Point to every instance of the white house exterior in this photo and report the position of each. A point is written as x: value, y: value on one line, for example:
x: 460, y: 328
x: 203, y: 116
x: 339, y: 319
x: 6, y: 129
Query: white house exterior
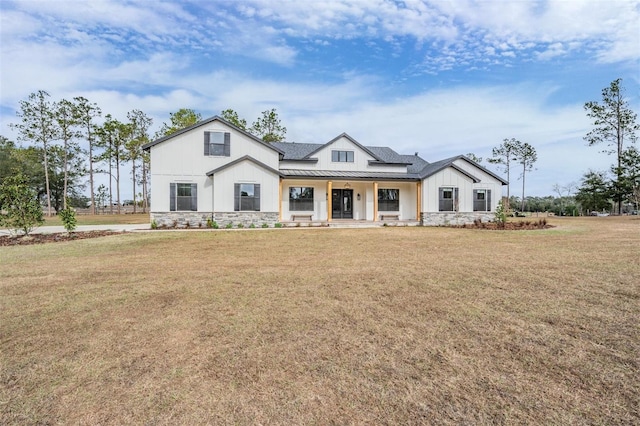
x: 213, y: 170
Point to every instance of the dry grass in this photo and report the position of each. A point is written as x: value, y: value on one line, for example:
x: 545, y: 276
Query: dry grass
x: 102, y: 219
x: 325, y: 326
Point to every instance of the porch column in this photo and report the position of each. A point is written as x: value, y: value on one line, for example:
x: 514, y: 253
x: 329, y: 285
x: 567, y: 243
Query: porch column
x: 280, y: 201
x: 375, y: 201
x: 418, y: 199
x: 329, y: 200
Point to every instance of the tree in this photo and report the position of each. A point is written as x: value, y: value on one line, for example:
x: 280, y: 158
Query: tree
x: 630, y: 175
x: 21, y: 210
x: 268, y: 127
x: 564, y: 194
x: 614, y: 123
x: 182, y: 118
x: 504, y: 155
x: 7, y: 150
x: 593, y: 193
x: 140, y: 124
x: 113, y: 136
x: 38, y: 126
x: 66, y: 117
x: 527, y: 156
x: 471, y: 156
x: 87, y: 112
x: 232, y: 117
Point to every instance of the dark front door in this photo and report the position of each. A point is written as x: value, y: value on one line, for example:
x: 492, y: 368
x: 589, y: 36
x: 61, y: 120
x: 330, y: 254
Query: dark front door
x: 342, y: 204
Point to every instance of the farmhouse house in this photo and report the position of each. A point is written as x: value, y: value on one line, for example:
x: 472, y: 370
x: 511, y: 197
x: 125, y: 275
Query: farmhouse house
x: 214, y: 170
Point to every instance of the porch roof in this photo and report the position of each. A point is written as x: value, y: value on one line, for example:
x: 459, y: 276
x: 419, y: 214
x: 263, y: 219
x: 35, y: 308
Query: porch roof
x: 351, y: 175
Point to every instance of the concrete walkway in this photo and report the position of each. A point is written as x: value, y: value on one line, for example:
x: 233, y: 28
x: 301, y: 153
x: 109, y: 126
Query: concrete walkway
x: 80, y: 228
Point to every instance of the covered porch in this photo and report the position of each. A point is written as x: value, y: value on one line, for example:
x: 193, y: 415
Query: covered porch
x: 349, y: 202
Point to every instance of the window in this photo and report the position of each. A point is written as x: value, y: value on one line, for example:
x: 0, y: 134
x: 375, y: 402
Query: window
x: 183, y: 197
x: 448, y: 199
x: 481, y: 200
x: 300, y: 199
x: 342, y: 156
x: 247, y: 197
x: 389, y: 200
x: 217, y: 144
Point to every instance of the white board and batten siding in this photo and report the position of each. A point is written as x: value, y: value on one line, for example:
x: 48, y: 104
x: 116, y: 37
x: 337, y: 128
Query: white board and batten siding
x: 448, y: 177
x: 182, y: 160
x: 245, y: 172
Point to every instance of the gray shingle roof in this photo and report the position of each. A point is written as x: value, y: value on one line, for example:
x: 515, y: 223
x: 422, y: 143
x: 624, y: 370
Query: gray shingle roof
x: 296, y: 151
x: 341, y: 174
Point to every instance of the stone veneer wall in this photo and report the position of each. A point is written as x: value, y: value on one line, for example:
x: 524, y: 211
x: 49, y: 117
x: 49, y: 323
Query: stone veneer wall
x: 199, y: 219
x: 454, y: 218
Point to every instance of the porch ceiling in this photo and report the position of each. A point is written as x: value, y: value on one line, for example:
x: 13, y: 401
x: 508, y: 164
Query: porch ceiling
x: 339, y: 174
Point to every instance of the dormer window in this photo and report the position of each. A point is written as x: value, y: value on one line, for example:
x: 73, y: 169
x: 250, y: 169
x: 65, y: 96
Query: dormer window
x: 217, y: 144
x: 342, y: 156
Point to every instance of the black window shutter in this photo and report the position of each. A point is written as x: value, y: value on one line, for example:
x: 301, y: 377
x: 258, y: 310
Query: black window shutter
x: 172, y: 197
x: 206, y: 143
x: 488, y: 200
x: 456, y: 207
x: 227, y: 144
x: 236, y: 197
x: 194, y: 197
x: 256, y: 197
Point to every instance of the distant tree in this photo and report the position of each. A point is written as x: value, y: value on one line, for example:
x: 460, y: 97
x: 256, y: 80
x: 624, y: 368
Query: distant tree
x: 38, y: 126
x: 504, y: 155
x: 564, y: 192
x: 630, y: 175
x: 232, y: 117
x: 7, y: 163
x: 180, y: 119
x: 101, y: 196
x: 614, y: 124
x: 268, y: 127
x: 593, y: 193
x: 113, y: 137
x: 140, y: 124
x: 86, y: 113
x: 527, y: 156
x: 21, y: 210
x: 67, y: 119
x: 471, y: 156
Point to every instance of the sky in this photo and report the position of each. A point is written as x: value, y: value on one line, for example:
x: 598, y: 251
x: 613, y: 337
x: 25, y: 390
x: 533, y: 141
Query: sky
x: 440, y: 78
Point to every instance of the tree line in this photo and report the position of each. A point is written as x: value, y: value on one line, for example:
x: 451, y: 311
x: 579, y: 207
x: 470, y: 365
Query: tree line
x: 69, y: 142
x: 614, y: 126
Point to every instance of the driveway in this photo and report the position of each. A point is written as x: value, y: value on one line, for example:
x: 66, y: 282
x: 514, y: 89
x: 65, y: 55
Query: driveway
x: 79, y: 228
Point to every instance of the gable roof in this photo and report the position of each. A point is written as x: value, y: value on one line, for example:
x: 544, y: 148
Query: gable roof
x: 241, y: 159
x: 350, y: 139
x: 433, y: 168
x: 151, y: 144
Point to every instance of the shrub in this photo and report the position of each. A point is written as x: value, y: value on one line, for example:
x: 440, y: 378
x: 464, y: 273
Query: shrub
x: 68, y: 217
x: 252, y: 226
x: 229, y: 225
x: 265, y: 225
x: 240, y: 225
x: 277, y: 225
x: 20, y: 210
x: 154, y: 224
x: 501, y: 215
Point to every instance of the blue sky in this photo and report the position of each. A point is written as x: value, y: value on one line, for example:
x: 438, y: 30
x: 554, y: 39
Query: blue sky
x: 440, y: 78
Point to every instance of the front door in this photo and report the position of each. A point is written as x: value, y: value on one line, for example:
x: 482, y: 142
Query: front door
x: 342, y: 204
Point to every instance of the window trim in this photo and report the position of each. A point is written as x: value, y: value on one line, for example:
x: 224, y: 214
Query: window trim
x: 388, y: 202
x: 455, y: 200
x: 238, y: 198
x: 337, y: 156
x: 173, y: 197
x: 301, y: 204
x: 486, y: 201
x: 225, y: 145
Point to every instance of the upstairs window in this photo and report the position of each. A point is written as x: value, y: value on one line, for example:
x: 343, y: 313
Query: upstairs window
x: 342, y: 156
x: 217, y: 144
x: 481, y: 200
x: 183, y: 197
x: 389, y: 200
x: 448, y: 199
x: 300, y: 198
x: 246, y: 197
